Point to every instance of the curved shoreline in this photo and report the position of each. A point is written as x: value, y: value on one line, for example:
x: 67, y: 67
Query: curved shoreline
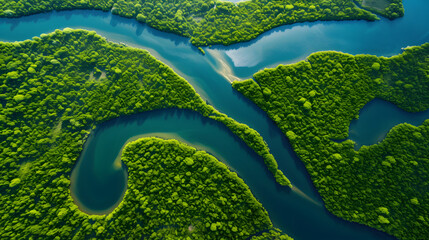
x: 178, y: 68
x: 194, y: 30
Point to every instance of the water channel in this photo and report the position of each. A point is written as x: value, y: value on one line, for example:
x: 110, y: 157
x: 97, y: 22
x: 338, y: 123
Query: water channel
x: 302, y: 217
x: 377, y: 118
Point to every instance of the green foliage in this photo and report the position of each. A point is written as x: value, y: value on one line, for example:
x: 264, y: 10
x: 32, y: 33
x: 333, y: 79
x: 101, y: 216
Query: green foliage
x: 202, y: 50
x: 13, y: 75
x: 376, y: 66
x: 18, y: 97
x: 55, y: 62
x: 384, y: 185
x: 415, y: 201
x: 267, y: 92
x: 207, y: 22
x: 388, y: 8
x: 189, y: 161
x: 14, y: 182
x: 218, y: 203
x: 383, y: 210
x: 291, y: 135
x: 307, y: 105
x: 383, y: 220
x: 274, y: 234
x: 31, y: 70
x: 46, y: 116
x: 281, y: 178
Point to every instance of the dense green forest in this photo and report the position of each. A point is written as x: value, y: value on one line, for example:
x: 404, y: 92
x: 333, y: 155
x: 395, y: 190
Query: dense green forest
x: 313, y: 102
x: 209, y: 22
x: 53, y: 90
x: 173, y: 192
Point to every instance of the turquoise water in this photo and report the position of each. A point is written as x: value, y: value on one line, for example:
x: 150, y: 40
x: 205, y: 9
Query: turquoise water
x: 377, y: 118
x: 296, y: 215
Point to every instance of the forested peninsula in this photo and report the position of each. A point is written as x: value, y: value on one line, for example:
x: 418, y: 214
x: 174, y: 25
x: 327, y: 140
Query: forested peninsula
x: 174, y: 191
x: 53, y: 90
x: 313, y: 102
x: 208, y: 22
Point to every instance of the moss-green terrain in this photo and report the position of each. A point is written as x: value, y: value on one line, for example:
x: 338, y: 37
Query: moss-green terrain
x: 174, y: 192
x: 185, y: 193
x: 208, y: 22
x: 313, y: 102
x: 53, y: 91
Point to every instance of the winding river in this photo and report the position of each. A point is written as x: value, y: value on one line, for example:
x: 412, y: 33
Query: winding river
x: 300, y: 213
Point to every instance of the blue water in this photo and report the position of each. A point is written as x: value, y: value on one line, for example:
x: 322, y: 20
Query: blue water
x: 295, y: 212
x: 291, y: 43
x: 288, y: 211
x: 377, y: 118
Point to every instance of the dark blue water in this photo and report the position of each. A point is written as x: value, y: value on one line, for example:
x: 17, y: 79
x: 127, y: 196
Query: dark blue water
x: 97, y: 171
x: 377, y: 118
x: 291, y: 43
x: 201, y: 71
x: 300, y: 218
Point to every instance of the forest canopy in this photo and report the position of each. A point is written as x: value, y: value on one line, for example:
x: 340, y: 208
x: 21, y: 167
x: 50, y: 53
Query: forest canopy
x: 167, y: 197
x: 209, y: 22
x: 53, y: 90
x: 313, y: 102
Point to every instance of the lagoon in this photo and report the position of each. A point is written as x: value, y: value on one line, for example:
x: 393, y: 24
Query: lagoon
x: 376, y: 119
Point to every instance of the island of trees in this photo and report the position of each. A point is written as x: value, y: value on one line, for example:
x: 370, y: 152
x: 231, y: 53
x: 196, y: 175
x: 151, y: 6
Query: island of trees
x: 53, y: 90
x: 313, y: 102
x: 209, y: 22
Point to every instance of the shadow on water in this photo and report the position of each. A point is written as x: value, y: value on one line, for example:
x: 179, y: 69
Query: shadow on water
x: 68, y: 14
x: 15, y: 22
x: 142, y: 27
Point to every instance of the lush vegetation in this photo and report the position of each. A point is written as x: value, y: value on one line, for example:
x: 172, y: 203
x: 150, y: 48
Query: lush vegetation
x: 174, y: 192
x: 53, y: 91
x: 208, y: 22
x: 313, y: 102
x: 74, y: 79
x: 389, y: 8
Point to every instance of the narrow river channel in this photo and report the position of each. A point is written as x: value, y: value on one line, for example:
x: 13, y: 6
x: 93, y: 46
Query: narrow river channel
x: 299, y: 214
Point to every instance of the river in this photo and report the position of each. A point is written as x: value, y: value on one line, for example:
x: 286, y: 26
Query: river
x: 302, y: 216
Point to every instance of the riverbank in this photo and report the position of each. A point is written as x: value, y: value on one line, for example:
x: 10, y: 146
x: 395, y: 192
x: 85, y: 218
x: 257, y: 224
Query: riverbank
x: 282, y: 45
